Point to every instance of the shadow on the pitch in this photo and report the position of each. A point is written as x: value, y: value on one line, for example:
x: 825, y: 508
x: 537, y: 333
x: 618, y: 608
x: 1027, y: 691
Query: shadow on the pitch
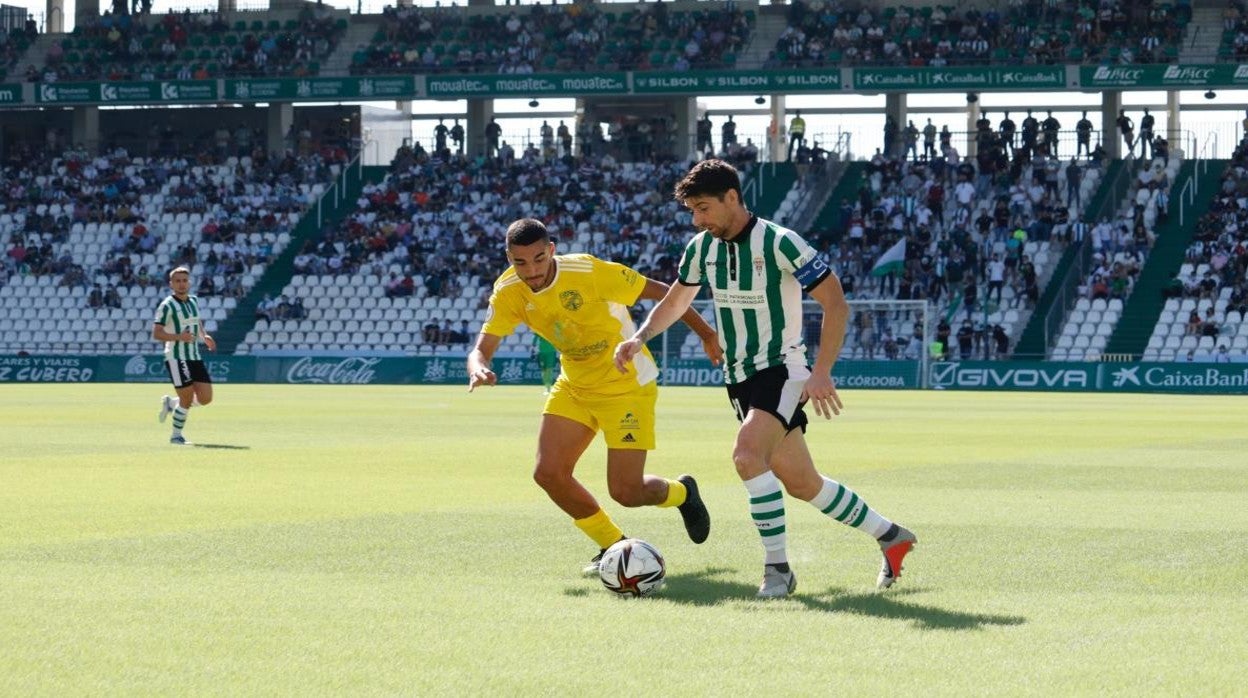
x: 231, y: 447
x: 716, y: 585
x: 891, y: 604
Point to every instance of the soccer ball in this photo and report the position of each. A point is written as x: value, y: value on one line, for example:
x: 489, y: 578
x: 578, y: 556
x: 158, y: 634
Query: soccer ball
x: 632, y: 567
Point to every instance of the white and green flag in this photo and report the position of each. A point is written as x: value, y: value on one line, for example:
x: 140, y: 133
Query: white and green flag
x: 892, y: 261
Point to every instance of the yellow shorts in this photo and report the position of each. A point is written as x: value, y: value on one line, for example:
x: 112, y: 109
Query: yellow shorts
x: 626, y: 420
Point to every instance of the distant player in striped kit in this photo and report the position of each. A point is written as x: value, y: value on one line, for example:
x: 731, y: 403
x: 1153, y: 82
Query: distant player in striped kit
x: 178, y: 325
x: 757, y: 271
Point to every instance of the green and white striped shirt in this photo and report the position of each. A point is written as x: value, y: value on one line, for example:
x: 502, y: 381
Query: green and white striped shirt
x: 756, y: 280
x: 176, y: 317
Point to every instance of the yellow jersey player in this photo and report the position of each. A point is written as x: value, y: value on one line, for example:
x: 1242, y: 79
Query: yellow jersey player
x: 580, y: 305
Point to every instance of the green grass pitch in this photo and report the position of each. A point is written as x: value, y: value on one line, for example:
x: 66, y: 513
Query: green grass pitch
x: 389, y: 540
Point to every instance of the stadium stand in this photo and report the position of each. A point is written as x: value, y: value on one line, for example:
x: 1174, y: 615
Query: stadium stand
x: 201, y: 46
x: 820, y: 34
x: 554, y: 38
x: 1206, y: 301
x: 89, y: 238
x: 1120, y: 250
x: 982, y: 238
x: 424, y: 246
x: 13, y: 44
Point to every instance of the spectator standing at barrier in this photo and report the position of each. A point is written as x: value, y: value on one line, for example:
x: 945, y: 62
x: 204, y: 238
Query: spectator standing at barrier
x: 493, y: 132
x: 929, y: 141
x: 1126, y: 127
x: 890, y: 137
x: 440, y: 132
x: 1031, y: 132
x: 1007, y: 129
x: 911, y: 138
x: 728, y: 134
x: 1051, y: 127
x: 457, y: 136
x: 797, y: 133
x: 548, y: 140
x: 704, y: 134
x: 983, y: 131
x: 1147, y: 122
x: 565, y: 138
x: 1083, y: 136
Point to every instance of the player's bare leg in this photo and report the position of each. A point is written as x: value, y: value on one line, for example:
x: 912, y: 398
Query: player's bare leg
x: 203, y: 394
x: 630, y: 486
x: 560, y: 444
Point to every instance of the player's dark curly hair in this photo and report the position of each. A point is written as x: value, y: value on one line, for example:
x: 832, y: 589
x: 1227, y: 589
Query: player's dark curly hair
x: 709, y: 178
x: 526, y: 231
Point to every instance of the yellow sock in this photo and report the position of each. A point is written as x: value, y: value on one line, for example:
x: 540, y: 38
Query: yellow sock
x: 600, y: 528
x: 676, y: 494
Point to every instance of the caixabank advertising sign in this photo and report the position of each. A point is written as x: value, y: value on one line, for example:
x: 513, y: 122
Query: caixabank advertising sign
x: 1229, y: 378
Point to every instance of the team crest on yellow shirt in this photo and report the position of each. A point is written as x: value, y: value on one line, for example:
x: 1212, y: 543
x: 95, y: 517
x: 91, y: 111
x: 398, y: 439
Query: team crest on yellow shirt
x: 571, y: 300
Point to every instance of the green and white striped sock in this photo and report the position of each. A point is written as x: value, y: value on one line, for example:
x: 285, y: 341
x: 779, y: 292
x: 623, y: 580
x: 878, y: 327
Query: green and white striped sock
x: 179, y: 419
x: 841, y: 503
x: 767, y: 510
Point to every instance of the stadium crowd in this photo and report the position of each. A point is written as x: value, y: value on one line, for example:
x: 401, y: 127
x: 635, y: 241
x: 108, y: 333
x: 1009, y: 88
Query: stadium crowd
x: 186, y: 46
x: 553, y: 38
x: 1030, y: 32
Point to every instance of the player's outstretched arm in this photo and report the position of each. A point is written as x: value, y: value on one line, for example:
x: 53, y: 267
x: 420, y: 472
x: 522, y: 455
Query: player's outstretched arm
x: 819, y: 387
x: 657, y: 290
x: 668, y: 310
x: 479, y: 358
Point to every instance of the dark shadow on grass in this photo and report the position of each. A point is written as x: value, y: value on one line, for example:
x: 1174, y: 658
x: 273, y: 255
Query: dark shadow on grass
x: 715, y: 585
x: 890, y: 604
x: 231, y: 447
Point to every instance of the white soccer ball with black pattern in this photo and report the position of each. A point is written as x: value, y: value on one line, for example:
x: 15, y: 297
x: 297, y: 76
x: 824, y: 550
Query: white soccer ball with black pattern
x: 632, y: 567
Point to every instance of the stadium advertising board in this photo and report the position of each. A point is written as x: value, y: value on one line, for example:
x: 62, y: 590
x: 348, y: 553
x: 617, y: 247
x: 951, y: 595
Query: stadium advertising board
x: 406, y: 87
x: 1084, y: 376
x: 320, y: 89
x: 736, y: 81
x: 448, y: 370
x: 1164, y: 76
x: 533, y: 85
x: 49, y: 369
x: 846, y: 374
x: 949, y: 78
x: 166, y: 91
x: 10, y: 94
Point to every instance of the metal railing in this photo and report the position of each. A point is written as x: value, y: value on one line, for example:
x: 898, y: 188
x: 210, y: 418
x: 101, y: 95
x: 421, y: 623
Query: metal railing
x: 1190, y: 188
x: 1068, y: 291
x: 1068, y: 287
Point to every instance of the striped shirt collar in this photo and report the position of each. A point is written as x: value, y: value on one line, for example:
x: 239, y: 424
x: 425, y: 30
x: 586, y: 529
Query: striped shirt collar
x: 744, y: 234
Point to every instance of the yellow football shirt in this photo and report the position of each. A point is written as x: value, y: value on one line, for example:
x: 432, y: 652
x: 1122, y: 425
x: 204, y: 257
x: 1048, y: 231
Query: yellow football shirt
x: 584, y: 313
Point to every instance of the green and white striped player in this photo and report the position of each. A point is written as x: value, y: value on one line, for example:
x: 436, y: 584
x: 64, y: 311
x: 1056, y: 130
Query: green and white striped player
x: 757, y: 271
x: 178, y: 325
